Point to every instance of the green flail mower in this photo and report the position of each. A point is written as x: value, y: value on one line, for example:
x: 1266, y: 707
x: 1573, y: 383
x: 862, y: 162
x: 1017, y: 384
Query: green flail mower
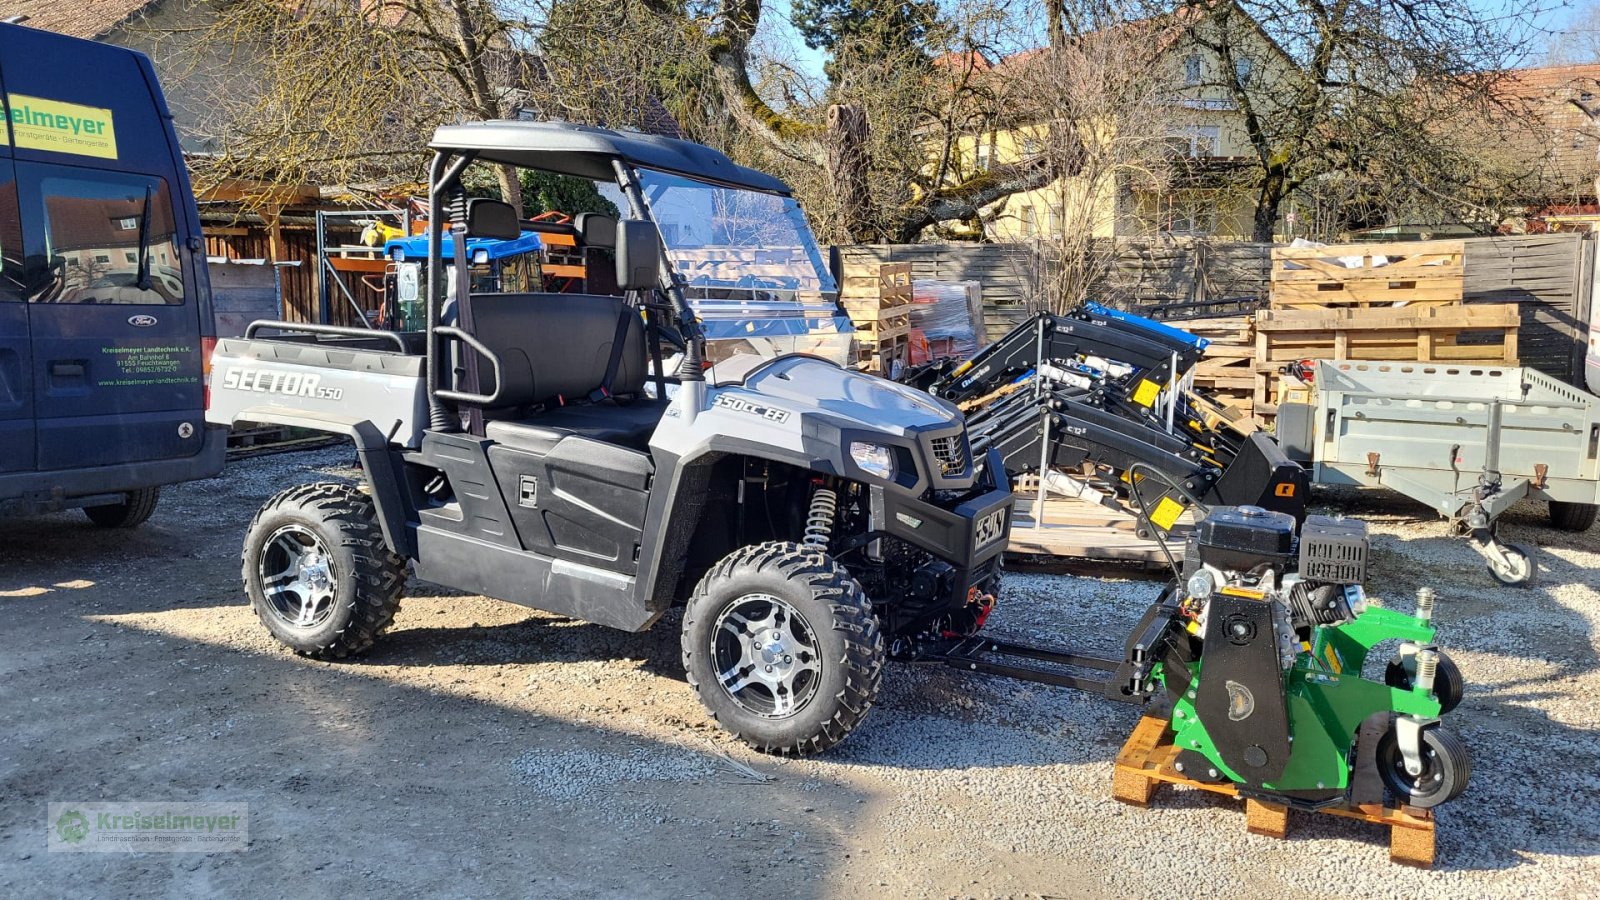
x: 1269, y: 654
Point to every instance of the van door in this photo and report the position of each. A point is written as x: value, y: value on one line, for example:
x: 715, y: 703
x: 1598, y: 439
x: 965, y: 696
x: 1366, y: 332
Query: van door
x: 16, y: 359
x: 116, y: 339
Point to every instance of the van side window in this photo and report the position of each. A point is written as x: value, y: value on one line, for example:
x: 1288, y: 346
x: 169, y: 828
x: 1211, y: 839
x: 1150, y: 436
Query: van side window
x: 11, y: 255
x: 109, y: 238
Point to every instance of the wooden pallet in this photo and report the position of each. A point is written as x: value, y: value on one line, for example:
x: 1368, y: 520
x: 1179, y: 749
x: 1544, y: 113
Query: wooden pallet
x: 1421, y: 273
x: 253, y: 435
x: 879, y: 356
x: 1424, y: 334
x: 1145, y: 765
x: 1083, y: 530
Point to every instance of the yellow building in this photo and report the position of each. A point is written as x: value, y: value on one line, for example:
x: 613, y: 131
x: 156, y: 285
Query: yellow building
x: 1182, y: 117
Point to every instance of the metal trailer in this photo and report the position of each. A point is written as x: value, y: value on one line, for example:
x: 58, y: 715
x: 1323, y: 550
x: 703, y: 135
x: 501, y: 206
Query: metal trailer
x: 1468, y: 440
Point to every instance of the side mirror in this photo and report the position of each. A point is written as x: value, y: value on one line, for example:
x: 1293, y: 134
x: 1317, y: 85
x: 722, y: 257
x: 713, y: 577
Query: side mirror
x: 492, y: 219
x: 638, y: 255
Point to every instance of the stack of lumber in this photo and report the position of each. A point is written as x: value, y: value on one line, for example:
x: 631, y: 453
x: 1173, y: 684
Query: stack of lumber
x: 1361, y: 276
x: 878, y: 300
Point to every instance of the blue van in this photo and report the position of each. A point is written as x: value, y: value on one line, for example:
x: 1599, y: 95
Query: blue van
x: 105, y: 304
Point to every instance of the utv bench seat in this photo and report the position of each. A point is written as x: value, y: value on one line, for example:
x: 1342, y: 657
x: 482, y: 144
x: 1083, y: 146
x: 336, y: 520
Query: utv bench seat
x: 556, y: 349
x: 625, y: 424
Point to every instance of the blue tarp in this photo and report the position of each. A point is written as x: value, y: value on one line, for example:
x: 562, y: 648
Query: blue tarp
x: 416, y: 247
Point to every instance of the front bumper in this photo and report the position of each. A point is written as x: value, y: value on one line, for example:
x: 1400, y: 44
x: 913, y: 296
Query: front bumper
x: 966, y: 532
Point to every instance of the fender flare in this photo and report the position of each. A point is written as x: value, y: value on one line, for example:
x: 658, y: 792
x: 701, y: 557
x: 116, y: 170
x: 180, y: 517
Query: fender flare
x: 379, y: 466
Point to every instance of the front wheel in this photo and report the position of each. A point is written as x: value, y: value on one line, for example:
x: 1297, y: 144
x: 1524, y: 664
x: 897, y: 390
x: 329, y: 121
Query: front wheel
x: 783, y: 648
x: 318, y: 571
x: 1519, y: 569
x: 1446, y: 768
x: 1448, y: 685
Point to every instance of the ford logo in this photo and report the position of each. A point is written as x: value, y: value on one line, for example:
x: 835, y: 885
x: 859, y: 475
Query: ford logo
x: 141, y: 321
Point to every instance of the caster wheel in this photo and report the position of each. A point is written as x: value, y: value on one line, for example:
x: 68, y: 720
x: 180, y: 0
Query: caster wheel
x: 1519, y: 569
x: 1448, y: 685
x: 1446, y: 768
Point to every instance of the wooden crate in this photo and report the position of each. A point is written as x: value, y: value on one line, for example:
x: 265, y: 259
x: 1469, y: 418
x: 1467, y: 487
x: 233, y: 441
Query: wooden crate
x: 1421, y: 273
x: 1145, y: 765
x: 1227, y: 369
x: 1422, y: 334
x: 880, y: 356
x: 886, y: 284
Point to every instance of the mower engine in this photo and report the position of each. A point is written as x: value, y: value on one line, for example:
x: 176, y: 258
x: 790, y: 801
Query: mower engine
x: 1265, y: 673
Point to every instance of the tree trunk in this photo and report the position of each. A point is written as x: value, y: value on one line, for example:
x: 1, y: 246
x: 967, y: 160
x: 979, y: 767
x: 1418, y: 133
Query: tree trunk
x: 1274, y: 187
x: 510, y: 187
x: 848, y: 164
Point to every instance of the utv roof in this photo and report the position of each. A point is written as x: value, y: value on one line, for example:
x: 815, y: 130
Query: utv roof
x: 586, y: 151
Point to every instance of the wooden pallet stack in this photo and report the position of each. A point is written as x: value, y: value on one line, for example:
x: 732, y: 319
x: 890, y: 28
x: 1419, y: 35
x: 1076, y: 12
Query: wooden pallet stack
x: 1399, y: 302
x: 878, y: 300
x: 1421, y: 273
x: 1227, y: 370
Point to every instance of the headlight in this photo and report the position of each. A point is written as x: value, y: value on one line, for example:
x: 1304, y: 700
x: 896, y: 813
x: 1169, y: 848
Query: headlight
x: 874, y: 459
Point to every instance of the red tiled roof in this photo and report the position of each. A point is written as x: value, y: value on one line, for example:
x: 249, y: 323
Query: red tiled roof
x: 77, y: 18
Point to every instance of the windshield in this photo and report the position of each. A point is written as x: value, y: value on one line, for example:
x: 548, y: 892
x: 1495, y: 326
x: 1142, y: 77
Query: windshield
x: 749, y: 267
x: 732, y: 244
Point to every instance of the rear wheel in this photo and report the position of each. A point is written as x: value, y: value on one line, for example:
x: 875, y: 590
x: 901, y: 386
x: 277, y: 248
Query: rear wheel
x: 318, y: 571
x: 1572, y: 516
x: 783, y: 648
x: 1448, y: 685
x: 135, y: 508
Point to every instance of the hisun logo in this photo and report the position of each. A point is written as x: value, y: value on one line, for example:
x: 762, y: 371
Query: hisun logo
x: 289, y: 384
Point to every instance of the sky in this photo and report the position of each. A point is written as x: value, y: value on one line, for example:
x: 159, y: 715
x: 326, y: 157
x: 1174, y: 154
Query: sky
x: 1553, y: 16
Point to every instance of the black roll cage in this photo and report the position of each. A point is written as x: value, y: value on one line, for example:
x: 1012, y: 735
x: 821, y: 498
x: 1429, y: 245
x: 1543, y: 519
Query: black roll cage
x: 444, y: 181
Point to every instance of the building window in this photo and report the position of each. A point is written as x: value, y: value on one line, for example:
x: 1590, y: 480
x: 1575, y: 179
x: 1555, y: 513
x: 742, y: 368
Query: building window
x: 1243, y: 68
x: 1192, y: 70
x: 1030, y: 225
x: 1197, y: 142
x: 985, y: 155
x: 1585, y: 96
x: 128, y: 223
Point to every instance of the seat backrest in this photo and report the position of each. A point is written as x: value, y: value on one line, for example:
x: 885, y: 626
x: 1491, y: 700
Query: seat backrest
x: 557, y: 345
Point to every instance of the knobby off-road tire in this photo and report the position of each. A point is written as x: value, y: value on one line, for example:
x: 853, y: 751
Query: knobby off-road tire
x: 135, y: 508
x: 1572, y: 516
x: 797, y: 605
x: 318, y: 572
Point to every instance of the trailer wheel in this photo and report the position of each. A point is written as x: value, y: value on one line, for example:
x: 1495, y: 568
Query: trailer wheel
x: 1446, y: 768
x: 135, y: 508
x: 318, y: 572
x: 1572, y: 516
x: 1519, y: 570
x: 1448, y: 685
x: 783, y: 648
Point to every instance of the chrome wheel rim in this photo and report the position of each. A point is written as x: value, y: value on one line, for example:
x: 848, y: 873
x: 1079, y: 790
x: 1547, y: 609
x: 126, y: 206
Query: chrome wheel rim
x: 297, y: 577
x: 766, y: 656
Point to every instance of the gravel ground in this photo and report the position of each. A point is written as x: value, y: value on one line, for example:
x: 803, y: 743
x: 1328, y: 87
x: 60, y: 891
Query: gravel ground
x: 483, y: 749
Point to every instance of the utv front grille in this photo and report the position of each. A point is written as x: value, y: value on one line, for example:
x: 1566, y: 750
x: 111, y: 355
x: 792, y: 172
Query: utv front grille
x: 951, y: 454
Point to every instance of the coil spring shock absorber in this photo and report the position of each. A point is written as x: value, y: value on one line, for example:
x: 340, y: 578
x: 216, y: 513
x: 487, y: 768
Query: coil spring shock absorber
x: 819, y: 520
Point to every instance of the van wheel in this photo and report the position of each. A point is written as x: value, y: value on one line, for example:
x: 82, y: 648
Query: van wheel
x: 783, y: 648
x: 135, y: 508
x: 318, y: 572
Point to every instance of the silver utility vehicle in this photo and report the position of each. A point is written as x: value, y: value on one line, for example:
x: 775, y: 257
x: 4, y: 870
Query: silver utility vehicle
x: 535, y: 448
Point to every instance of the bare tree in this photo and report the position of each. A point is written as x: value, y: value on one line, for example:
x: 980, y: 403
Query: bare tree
x: 1362, y: 89
x: 1099, y: 107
